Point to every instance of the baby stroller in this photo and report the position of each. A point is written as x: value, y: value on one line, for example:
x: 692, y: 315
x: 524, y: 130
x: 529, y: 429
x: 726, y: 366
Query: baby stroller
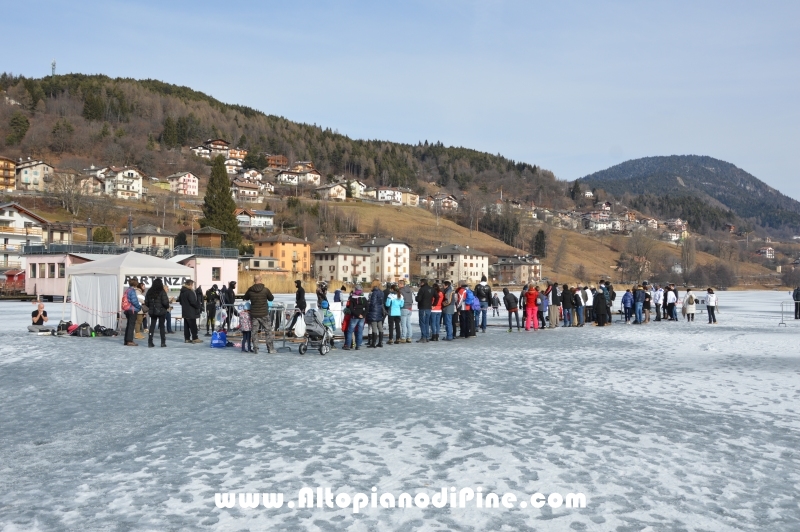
x: 317, y: 335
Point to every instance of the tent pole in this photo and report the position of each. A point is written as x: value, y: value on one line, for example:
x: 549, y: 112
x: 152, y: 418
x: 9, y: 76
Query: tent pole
x: 66, y: 291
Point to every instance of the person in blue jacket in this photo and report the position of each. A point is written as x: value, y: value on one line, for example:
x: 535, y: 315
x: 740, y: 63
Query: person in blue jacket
x: 627, y: 305
x: 394, y: 305
x: 375, y: 316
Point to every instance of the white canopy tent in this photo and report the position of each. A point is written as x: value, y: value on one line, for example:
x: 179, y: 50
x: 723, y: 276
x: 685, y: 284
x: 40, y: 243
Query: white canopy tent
x: 97, y: 286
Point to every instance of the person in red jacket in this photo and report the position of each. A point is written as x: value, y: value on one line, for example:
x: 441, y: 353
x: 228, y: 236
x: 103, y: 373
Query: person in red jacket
x: 530, y: 304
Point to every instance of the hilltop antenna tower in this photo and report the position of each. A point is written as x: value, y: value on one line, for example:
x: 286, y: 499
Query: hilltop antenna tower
x: 53, y: 67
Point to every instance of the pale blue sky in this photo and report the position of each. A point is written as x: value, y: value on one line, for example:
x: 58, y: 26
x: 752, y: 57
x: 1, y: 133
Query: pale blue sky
x: 571, y: 86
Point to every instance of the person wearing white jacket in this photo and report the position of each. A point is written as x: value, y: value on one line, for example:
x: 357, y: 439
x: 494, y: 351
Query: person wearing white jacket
x: 711, y: 306
x: 671, y: 300
x: 689, y: 305
x: 658, y: 299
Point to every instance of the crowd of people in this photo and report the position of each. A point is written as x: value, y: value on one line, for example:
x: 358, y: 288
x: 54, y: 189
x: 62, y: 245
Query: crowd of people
x: 575, y: 306
x: 446, y: 310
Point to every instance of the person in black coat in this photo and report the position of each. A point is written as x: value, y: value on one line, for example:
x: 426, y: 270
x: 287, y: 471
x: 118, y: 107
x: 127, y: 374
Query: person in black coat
x: 375, y: 316
x: 191, y: 309
x: 511, y: 303
x: 600, y: 308
x: 299, y: 305
x: 157, y: 302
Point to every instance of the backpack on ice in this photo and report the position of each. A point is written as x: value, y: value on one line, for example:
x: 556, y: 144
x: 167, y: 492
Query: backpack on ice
x: 63, y: 327
x: 84, y: 330
x: 219, y: 339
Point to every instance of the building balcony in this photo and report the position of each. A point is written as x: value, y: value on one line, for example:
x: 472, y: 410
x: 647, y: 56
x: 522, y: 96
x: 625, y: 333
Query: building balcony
x: 27, y: 231
x: 10, y: 264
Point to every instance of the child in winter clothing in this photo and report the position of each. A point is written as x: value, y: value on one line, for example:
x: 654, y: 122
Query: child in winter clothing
x: 245, y: 325
x: 328, y: 320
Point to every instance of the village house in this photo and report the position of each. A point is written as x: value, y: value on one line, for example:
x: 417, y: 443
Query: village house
x: 201, y: 151
x: 650, y: 223
x: 185, y: 183
x: 629, y: 216
x: 517, y: 270
x: 588, y: 194
x: 91, y: 185
x: 33, y: 175
x: 293, y: 253
x: 767, y: 252
x: 454, y: 262
x: 390, y: 195
x: 442, y: 202
x: 266, y: 187
x: 233, y: 166
x: 596, y: 225
x: 19, y: 227
x: 332, y: 192
x: 409, y: 198
x: 254, y: 218
x: 670, y: 236
x: 251, y: 174
x: 148, y: 236
x: 237, y: 153
x: 212, y: 148
x: 605, y: 206
x: 264, y: 264
x: 277, y: 161
x: 8, y: 174
x: 124, y: 183
x: 342, y: 263
x: 245, y: 191
x: 729, y: 228
x: 390, y: 259
x: 306, y: 177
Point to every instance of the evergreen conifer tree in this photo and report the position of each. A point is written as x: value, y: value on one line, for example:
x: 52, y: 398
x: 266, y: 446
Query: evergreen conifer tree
x: 540, y: 244
x: 170, y: 134
x: 102, y: 234
x: 218, y: 204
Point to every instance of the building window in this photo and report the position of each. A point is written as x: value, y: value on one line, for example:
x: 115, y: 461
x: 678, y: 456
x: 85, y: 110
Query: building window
x: 33, y: 271
x: 41, y: 270
x: 61, y: 270
x: 216, y: 274
x: 283, y: 264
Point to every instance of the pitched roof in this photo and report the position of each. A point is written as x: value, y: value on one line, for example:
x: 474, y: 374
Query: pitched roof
x: 210, y: 231
x: 453, y: 250
x: 341, y: 250
x: 283, y: 238
x: 23, y: 210
x: 150, y: 229
x: 179, y: 174
x: 382, y: 242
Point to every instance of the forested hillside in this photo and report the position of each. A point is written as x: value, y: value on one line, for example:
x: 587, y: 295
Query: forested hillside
x: 77, y: 119
x: 717, y: 183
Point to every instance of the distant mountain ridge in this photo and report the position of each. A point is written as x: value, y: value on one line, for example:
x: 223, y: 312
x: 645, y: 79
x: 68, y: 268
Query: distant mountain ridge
x: 718, y: 183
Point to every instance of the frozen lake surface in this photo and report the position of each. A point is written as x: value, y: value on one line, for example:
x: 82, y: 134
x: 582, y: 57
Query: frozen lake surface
x: 667, y: 426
